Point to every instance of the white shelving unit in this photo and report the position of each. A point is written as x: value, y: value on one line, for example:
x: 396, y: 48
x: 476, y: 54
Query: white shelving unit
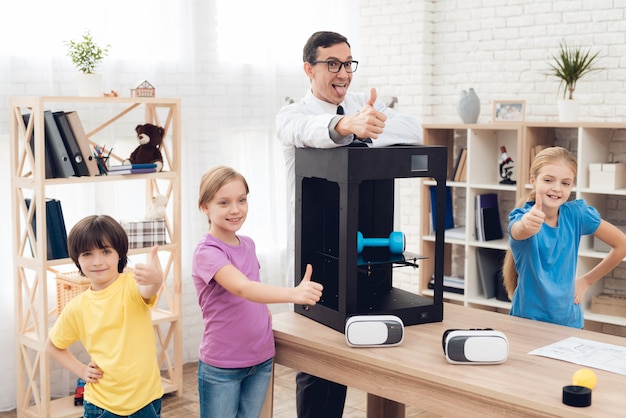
x: 33, y: 273
x: 589, y: 141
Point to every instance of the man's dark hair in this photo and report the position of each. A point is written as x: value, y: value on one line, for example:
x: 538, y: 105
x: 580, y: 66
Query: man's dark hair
x: 321, y: 39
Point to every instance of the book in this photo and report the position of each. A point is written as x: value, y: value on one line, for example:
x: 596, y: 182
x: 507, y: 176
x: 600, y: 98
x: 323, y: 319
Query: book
x: 449, y: 219
x: 534, y: 150
x: 56, y: 229
x: 492, y: 228
x: 71, y: 145
x: 450, y: 284
x: 488, y: 226
x: 456, y: 233
x: 49, y: 255
x: 460, y: 174
x: 131, y: 166
x: 489, y: 263
x: 83, y: 142
x: 131, y: 170
x: 56, y: 233
x: 455, y: 168
x: 58, y: 152
x: 49, y: 167
x: 463, y: 169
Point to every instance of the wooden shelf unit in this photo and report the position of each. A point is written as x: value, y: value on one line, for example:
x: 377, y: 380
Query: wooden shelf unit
x: 589, y: 141
x: 33, y: 273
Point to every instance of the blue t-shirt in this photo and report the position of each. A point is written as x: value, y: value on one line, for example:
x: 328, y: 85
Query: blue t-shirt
x: 546, y: 264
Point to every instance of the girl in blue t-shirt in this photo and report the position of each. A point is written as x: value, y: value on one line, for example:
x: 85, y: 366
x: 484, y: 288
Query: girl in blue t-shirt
x: 544, y: 236
x: 237, y: 346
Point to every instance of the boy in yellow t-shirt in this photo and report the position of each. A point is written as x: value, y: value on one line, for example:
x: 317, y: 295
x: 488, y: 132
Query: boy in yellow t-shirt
x: 112, y: 320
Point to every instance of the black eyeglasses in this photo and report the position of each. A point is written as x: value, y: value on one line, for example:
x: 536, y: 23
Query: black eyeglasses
x: 334, y: 66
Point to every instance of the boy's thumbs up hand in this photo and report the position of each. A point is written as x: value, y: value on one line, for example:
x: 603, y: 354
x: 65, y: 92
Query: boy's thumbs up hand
x: 150, y: 272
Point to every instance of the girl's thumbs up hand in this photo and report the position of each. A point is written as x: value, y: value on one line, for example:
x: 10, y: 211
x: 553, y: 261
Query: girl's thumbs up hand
x: 308, y: 292
x: 534, y: 219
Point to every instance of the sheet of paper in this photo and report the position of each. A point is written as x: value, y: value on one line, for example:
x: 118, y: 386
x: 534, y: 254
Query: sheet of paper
x: 588, y: 353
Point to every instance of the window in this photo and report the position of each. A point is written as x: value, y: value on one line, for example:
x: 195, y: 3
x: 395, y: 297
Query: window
x: 39, y: 27
x: 273, y: 32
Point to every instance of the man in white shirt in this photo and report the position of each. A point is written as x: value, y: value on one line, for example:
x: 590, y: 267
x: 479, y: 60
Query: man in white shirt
x: 328, y: 117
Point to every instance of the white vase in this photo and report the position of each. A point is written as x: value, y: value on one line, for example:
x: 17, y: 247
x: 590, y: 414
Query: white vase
x: 468, y: 106
x: 89, y: 85
x: 568, y: 110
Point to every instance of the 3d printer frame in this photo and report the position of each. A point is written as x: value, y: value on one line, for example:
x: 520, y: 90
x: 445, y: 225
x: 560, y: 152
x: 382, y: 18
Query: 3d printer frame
x: 345, y: 190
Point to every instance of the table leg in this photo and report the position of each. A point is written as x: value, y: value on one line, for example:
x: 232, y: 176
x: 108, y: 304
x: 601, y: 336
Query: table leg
x: 378, y: 407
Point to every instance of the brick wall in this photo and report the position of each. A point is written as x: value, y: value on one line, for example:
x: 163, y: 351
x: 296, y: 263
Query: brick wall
x: 427, y: 52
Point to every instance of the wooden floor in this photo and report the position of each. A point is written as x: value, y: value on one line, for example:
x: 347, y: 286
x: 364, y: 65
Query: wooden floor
x: 186, y: 406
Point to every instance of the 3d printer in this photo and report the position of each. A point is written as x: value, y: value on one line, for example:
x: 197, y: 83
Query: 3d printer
x: 344, y: 192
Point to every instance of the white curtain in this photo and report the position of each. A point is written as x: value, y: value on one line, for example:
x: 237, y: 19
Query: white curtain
x: 231, y: 62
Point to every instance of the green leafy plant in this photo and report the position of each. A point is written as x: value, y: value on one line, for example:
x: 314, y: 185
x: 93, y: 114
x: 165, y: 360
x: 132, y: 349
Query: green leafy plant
x: 570, y: 65
x: 85, y: 53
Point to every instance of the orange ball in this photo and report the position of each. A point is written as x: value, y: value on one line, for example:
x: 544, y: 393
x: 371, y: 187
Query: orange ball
x: 584, y: 377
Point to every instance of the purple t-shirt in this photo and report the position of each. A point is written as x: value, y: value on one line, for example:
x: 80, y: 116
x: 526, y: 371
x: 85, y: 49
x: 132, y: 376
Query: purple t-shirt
x: 237, y: 332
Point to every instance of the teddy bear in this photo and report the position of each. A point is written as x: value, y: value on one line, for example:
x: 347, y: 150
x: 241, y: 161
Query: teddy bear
x: 156, y: 208
x: 150, y: 138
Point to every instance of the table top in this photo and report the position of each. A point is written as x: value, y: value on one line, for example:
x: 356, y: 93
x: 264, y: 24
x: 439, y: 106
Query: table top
x: 417, y: 373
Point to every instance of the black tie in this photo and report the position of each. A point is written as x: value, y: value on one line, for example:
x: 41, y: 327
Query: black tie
x: 340, y: 110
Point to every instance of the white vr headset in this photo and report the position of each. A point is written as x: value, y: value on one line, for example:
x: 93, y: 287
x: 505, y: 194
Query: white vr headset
x: 374, y: 331
x: 475, y: 346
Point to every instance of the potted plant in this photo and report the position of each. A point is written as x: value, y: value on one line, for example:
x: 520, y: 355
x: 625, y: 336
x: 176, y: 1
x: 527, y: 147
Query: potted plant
x: 570, y: 65
x: 85, y: 54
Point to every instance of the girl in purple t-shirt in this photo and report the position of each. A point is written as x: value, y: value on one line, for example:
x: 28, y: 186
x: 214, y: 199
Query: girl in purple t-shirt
x: 237, y: 345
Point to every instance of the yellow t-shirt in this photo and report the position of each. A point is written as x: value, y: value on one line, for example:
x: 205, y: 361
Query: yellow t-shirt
x: 115, y: 327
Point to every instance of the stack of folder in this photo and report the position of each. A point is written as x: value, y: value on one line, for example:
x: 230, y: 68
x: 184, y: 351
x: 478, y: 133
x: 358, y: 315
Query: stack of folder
x: 69, y: 152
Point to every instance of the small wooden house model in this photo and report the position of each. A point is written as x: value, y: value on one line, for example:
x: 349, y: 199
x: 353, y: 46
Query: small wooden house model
x: 143, y: 89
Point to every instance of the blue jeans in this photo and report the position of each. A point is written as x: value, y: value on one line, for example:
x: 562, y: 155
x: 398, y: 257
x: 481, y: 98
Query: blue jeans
x: 152, y: 410
x: 233, y: 393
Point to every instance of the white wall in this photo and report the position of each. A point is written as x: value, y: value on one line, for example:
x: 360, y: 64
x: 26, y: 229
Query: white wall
x: 423, y: 52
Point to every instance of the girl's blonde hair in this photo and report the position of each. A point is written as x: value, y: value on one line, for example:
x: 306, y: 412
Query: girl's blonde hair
x: 214, y: 179
x: 552, y: 155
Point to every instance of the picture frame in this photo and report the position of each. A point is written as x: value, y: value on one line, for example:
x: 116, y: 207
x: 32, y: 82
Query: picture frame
x: 509, y: 111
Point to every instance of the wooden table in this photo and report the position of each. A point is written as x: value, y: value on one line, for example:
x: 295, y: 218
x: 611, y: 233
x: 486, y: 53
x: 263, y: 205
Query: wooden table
x: 417, y: 373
